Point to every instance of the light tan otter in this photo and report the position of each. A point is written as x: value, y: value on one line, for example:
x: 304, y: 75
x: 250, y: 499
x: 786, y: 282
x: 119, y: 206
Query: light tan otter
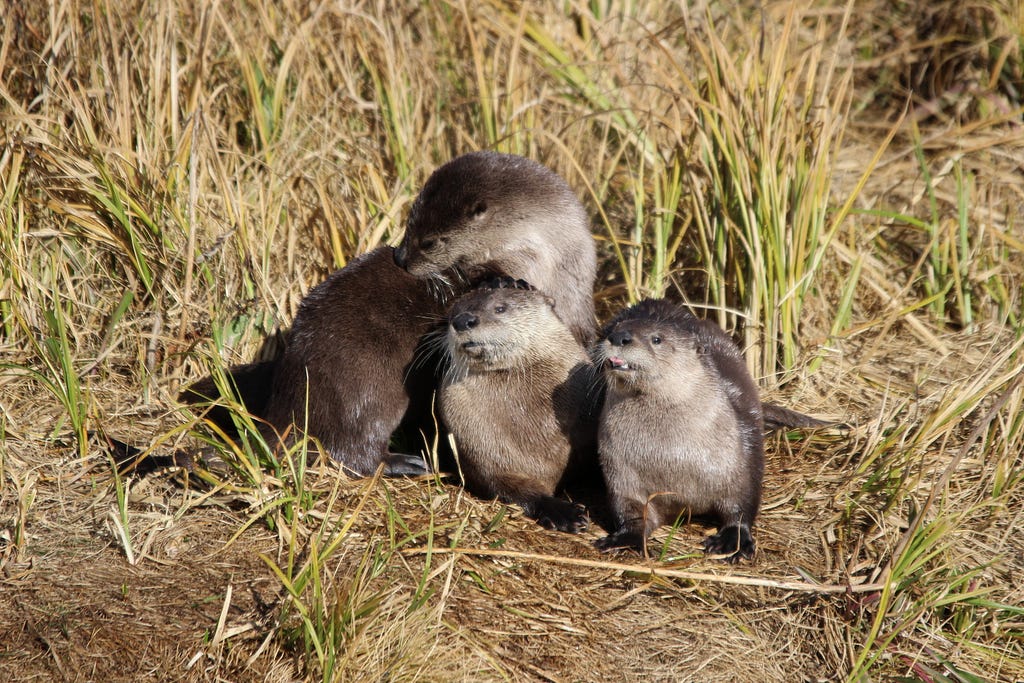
x: 516, y: 400
x: 681, y: 429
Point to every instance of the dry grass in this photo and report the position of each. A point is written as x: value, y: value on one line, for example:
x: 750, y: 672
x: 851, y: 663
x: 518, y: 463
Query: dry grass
x: 842, y: 188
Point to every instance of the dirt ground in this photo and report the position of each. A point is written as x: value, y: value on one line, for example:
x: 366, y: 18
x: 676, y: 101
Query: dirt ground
x: 516, y: 602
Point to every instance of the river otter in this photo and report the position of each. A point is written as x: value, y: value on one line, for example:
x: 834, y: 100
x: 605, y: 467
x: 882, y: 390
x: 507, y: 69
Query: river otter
x: 516, y: 399
x: 484, y: 214
x: 348, y: 375
x: 681, y: 429
x: 479, y: 215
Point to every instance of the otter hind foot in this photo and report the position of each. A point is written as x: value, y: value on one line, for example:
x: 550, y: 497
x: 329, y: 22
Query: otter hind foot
x: 732, y: 542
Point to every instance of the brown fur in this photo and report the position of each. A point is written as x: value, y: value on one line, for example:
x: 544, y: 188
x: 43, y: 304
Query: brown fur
x: 681, y: 428
x: 515, y: 398
x: 357, y: 334
x: 348, y: 375
x: 485, y: 214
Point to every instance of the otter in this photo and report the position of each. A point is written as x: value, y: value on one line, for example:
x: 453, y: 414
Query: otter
x: 681, y: 429
x: 485, y: 214
x: 356, y: 367
x: 349, y: 375
x: 479, y: 215
x: 516, y: 399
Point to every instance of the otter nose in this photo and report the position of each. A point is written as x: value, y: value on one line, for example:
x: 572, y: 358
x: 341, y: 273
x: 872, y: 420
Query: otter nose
x: 400, y: 255
x: 620, y: 337
x: 464, y: 321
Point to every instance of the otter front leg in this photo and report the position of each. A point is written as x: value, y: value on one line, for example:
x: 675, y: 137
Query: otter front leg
x: 549, y: 511
x: 734, y: 539
x: 634, y: 523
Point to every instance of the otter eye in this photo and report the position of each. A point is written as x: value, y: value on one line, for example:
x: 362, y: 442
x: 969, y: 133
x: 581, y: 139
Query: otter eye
x: 656, y: 339
x: 500, y: 308
x: 428, y: 243
x: 478, y: 209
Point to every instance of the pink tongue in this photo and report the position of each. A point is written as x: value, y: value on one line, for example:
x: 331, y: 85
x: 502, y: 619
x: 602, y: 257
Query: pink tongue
x: 616, y: 362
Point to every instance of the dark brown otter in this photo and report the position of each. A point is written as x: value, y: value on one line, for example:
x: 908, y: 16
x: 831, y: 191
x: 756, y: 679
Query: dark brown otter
x: 516, y: 400
x: 485, y: 214
x: 681, y: 429
x: 349, y: 375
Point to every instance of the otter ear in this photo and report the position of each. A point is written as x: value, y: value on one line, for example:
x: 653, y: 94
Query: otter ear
x: 479, y: 209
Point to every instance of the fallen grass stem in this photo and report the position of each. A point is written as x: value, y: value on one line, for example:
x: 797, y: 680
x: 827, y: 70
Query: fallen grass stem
x: 655, y: 571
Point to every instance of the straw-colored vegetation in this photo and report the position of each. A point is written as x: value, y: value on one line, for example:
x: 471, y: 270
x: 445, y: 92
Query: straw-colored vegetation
x: 842, y: 186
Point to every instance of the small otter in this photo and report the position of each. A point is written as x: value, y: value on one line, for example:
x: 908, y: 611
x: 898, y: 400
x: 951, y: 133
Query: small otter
x: 516, y: 400
x: 681, y: 428
x: 484, y: 214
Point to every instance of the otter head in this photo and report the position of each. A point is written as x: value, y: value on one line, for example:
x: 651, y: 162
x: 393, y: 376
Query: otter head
x: 496, y: 327
x: 486, y: 213
x: 651, y: 347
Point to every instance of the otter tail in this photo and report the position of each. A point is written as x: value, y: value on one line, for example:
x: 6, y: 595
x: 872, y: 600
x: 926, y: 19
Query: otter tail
x: 776, y: 417
x: 249, y: 385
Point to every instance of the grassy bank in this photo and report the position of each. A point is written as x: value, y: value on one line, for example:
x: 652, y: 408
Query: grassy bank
x: 840, y: 186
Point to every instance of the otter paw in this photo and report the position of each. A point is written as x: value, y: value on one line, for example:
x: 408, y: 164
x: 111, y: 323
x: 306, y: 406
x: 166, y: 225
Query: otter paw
x: 734, y: 543
x: 403, y: 465
x: 561, y: 515
x: 621, y: 540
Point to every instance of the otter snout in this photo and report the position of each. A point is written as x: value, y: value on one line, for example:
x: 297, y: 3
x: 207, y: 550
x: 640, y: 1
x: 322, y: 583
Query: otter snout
x: 465, y: 321
x: 401, y: 255
x: 620, y: 337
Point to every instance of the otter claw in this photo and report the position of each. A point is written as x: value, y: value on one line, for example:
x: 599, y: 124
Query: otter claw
x: 403, y: 465
x: 620, y: 540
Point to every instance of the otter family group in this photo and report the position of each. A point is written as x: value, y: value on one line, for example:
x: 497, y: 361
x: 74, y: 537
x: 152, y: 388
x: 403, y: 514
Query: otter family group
x: 488, y: 305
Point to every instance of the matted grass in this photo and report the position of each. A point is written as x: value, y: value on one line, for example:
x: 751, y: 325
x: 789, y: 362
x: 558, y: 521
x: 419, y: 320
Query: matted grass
x: 840, y: 185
